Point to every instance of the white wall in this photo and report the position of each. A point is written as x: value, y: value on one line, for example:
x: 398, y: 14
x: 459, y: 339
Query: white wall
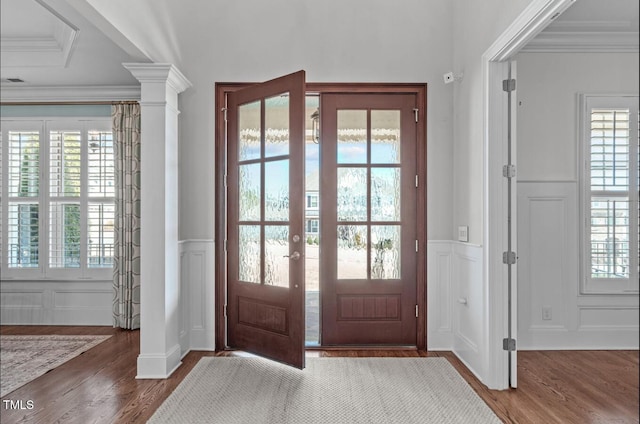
x: 548, y: 203
x: 477, y: 24
x: 334, y: 40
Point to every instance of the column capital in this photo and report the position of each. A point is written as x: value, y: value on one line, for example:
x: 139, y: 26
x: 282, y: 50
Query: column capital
x: 159, y: 72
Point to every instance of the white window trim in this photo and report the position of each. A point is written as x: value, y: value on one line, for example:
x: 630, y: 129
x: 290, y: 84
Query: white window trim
x: 44, y: 271
x: 588, y: 285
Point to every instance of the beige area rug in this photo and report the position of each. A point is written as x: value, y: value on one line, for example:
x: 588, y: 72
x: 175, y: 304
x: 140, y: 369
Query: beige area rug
x: 25, y: 358
x: 328, y: 391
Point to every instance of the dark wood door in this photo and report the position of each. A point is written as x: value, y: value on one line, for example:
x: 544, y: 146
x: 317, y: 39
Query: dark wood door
x: 368, y: 215
x: 265, y: 276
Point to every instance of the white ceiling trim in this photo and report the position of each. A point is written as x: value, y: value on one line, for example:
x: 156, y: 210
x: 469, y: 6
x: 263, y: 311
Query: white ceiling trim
x: 584, y: 42
x: 69, y: 94
x: 591, y: 26
x: 52, y: 50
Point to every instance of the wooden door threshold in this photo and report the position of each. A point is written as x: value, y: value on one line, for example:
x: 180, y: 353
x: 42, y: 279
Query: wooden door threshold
x: 360, y: 347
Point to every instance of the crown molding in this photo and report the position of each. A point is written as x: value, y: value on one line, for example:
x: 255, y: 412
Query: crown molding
x: 591, y: 26
x: 159, y: 72
x: 69, y: 94
x: 51, y: 50
x: 533, y: 19
x: 584, y: 42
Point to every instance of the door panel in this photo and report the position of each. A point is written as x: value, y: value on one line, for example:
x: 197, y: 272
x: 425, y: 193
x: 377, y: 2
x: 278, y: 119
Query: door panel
x: 265, y: 276
x: 368, y: 232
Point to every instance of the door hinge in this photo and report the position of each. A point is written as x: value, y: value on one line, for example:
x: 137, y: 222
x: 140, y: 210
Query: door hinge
x: 416, y: 311
x: 509, y: 344
x: 416, y: 181
x: 224, y: 113
x: 509, y: 171
x: 508, y: 85
x: 226, y: 245
x: 417, y: 246
x: 415, y: 113
x: 225, y: 310
x: 224, y: 180
x: 509, y: 258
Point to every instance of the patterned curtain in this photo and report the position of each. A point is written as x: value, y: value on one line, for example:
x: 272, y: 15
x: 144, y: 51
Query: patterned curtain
x: 126, y: 272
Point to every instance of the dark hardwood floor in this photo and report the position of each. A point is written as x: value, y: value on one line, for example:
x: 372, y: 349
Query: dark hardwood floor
x: 99, y: 386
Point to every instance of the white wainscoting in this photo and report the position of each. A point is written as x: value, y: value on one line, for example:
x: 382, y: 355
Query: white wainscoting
x: 456, y: 301
x: 469, y: 319
x: 56, y: 302
x: 439, y: 295
x: 548, y: 278
x: 197, y: 289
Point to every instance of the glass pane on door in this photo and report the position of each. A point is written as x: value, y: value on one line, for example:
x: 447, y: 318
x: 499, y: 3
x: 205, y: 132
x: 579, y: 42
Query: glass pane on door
x: 249, y: 192
x: 352, y: 136
x: 249, y: 131
x: 249, y: 253
x: 276, y: 255
x: 385, y: 194
x: 385, y: 252
x: 352, y: 194
x: 385, y: 136
x: 352, y: 252
x: 276, y: 194
x: 276, y: 123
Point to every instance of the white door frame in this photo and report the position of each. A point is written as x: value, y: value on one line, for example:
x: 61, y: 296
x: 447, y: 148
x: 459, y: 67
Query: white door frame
x: 536, y: 16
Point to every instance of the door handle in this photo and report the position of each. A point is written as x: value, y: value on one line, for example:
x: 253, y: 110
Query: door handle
x: 294, y: 256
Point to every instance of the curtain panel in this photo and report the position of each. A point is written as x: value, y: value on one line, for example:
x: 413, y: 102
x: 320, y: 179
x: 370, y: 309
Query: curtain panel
x: 126, y: 272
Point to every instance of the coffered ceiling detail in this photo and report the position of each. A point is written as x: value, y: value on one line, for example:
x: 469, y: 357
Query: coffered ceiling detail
x: 40, y: 37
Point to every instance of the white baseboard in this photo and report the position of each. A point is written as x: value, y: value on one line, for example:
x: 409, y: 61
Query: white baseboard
x: 159, y: 366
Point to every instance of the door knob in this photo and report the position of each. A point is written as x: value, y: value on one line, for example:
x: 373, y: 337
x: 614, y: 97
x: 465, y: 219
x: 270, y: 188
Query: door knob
x: 294, y: 256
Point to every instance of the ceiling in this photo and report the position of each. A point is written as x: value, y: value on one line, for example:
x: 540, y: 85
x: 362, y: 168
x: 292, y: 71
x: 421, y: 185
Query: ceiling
x: 47, y: 43
x: 592, y: 26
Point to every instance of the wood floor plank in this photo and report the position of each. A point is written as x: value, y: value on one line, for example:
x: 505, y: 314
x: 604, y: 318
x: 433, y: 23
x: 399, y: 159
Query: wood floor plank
x: 99, y: 386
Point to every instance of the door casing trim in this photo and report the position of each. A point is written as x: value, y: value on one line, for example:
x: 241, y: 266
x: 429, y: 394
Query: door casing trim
x: 220, y: 149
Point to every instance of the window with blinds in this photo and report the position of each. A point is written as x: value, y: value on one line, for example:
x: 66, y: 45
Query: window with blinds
x: 58, y: 182
x: 101, y: 192
x: 611, y: 155
x: 23, y: 198
x: 65, y: 178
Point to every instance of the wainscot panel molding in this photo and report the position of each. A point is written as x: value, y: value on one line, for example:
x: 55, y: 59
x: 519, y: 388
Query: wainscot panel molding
x: 455, y: 301
x: 468, y: 302
x: 439, y: 306
x: 56, y: 302
x: 197, y: 290
x: 552, y: 315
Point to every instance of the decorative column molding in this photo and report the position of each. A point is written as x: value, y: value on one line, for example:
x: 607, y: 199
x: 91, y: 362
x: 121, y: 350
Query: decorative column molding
x: 161, y: 83
x: 160, y: 350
